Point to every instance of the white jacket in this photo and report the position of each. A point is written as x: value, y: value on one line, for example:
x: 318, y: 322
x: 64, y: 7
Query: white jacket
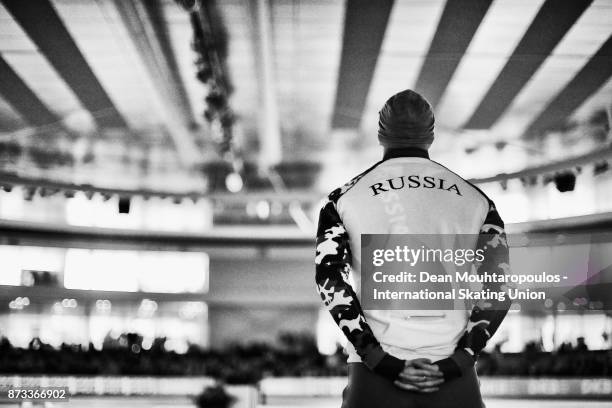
x: 405, y: 193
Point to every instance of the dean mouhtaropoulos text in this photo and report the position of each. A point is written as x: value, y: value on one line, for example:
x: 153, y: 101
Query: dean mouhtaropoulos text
x: 464, y: 277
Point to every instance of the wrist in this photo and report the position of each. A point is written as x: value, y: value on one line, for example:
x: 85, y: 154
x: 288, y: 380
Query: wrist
x: 389, y: 367
x: 449, y: 368
x: 456, y: 364
x: 476, y: 339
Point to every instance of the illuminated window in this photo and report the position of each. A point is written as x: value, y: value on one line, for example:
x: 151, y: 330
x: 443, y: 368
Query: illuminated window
x: 131, y: 271
x: 173, y: 272
x: 151, y: 214
x: 101, y: 270
x: 11, y: 265
x: 11, y: 204
x: 17, y: 259
x: 96, y: 212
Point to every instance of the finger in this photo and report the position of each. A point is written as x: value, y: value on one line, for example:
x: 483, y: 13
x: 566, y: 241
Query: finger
x: 420, y: 372
x: 421, y: 382
x: 431, y: 368
x: 414, y: 378
x: 404, y: 386
x: 417, y: 378
x: 421, y: 360
x: 431, y: 383
x: 428, y: 366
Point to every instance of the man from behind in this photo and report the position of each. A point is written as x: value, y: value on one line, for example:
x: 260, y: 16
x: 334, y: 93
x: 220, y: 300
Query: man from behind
x: 408, y: 358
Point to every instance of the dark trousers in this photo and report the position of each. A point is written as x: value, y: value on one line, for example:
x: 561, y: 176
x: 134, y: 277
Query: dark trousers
x: 366, y: 389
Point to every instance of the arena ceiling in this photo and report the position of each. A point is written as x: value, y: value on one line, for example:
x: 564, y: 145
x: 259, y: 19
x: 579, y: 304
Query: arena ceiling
x: 105, y: 93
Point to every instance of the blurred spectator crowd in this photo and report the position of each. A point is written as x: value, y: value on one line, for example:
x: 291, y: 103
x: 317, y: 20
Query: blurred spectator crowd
x: 567, y: 361
x: 291, y: 355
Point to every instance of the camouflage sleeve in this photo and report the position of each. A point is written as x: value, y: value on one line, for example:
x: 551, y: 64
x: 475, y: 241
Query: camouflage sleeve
x: 333, y: 257
x: 487, y: 315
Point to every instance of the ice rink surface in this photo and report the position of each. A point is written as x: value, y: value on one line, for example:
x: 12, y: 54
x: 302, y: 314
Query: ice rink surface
x: 302, y: 403
x: 490, y: 403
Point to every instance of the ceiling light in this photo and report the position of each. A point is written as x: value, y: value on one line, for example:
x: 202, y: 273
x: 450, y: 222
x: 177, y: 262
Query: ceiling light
x: 233, y: 182
x: 263, y: 210
x: 565, y: 181
x: 124, y: 205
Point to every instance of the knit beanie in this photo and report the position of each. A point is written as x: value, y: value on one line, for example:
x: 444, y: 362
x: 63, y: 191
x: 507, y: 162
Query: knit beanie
x: 406, y: 120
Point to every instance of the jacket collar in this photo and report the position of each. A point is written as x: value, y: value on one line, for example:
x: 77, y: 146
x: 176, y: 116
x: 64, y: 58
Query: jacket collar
x: 405, y: 152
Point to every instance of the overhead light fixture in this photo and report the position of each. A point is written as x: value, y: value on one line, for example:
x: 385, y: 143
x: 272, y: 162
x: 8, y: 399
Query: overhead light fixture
x: 69, y: 303
x: 600, y: 168
x: 529, y: 181
x: 565, y: 181
x: 262, y: 209
x: 124, y: 205
x: 233, y: 182
x: 28, y: 193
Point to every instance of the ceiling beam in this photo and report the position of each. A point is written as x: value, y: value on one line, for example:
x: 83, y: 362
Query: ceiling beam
x: 455, y: 31
x: 581, y: 224
x: 219, y: 244
x: 160, y: 25
x: 9, y: 179
x: 365, y: 23
x: 25, y: 102
x: 553, y: 21
x: 601, y: 154
x: 42, y: 294
x: 46, y: 29
x: 270, y: 152
x: 145, y: 25
x: 10, y: 121
x: 585, y: 83
x: 45, y: 234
